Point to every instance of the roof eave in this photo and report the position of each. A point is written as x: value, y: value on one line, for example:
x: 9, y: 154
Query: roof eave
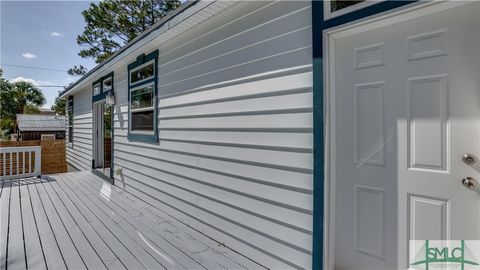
x: 156, y: 26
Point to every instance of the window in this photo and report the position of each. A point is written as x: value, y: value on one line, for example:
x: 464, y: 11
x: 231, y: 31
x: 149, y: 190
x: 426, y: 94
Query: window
x: 142, y: 73
x: 102, y: 87
x: 141, y: 108
x: 70, y: 118
x: 142, y: 105
x: 107, y: 84
x: 334, y: 8
x: 337, y: 4
x: 96, y: 89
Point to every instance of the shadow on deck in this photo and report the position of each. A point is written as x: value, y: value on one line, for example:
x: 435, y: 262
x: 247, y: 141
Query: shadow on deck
x: 78, y: 221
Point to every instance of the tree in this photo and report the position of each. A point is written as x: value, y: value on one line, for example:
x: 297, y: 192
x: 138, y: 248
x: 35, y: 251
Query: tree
x: 59, y: 105
x: 27, y: 95
x: 18, y: 97
x: 77, y: 71
x: 111, y: 24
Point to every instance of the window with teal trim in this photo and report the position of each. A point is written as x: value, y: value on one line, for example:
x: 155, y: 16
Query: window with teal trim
x: 102, y: 87
x: 142, y: 99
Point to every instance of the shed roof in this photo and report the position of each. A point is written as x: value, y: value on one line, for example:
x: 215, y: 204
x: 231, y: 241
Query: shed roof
x: 37, y: 122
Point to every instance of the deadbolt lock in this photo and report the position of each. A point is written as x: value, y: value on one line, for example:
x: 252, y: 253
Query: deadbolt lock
x: 469, y: 159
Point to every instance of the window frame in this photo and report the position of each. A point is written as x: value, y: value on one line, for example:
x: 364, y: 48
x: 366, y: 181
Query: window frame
x: 143, y: 61
x: 97, y: 83
x: 328, y: 14
x: 145, y: 109
x: 102, y: 95
x: 140, y: 67
x: 106, y: 78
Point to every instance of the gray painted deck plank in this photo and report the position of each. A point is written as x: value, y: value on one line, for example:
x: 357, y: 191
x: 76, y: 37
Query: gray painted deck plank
x: 4, y: 212
x: 78, y: 221
x: 85, y: 249
x: 174, y: 225
x: 139, y: 235
x: 51, y: 250
x: 208, y: 247
x: 192, y: 247
x: 70, y: 253
x: 164, y: 240
x: 116, y: 245
x: 107, y: 256
x: 16, y: 248
x: 33, y: 246
x: 118, y: 227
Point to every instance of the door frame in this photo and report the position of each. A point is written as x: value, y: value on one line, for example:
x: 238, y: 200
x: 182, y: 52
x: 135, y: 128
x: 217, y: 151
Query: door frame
x: 97, y: 133
x: 408, y: 12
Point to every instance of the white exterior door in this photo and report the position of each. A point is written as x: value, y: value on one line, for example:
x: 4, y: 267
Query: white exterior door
x: 406, y: 108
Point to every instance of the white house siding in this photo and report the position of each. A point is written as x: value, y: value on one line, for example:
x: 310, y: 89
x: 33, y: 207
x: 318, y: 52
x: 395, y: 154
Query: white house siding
x: 235, y: 122
x: 79, y: 154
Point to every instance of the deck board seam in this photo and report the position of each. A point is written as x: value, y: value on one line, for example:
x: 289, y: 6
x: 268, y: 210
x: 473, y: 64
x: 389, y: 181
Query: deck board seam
x: 105, y: 262
x: 21, y: 220
x: 100, y: 220
x: 76, y: 224
x: 210, y: 241
x: 147, y: 226
x: 51, y: 228
x: 138, y: 201
x: 63, y: 224
x: 89, y: 197
x: 8, y: 225
x: 36, y: 225
x: 155, y: 222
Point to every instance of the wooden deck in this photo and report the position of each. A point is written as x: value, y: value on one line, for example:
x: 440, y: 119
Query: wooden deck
x: 78, y: 221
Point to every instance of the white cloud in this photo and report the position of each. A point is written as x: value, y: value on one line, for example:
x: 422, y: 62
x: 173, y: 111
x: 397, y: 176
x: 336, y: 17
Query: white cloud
x: 32, y: 81
x: 29, y: 55
x: 56, y: 34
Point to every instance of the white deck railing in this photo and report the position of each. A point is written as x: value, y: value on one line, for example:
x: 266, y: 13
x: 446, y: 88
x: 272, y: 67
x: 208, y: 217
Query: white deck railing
x: 18, y: 162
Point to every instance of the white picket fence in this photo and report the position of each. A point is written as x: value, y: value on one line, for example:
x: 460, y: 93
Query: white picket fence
x: 19, y: 162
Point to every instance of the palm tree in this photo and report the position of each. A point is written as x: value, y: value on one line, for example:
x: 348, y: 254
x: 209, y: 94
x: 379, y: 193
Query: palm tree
x: 26, y: 96
x: 18, y: 97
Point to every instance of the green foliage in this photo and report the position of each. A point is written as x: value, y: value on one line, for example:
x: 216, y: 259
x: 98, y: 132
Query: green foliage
x: 59, y: 105
x: 77, y: 70
x: 18, y: 97
x: 110, y: 24
x: 25, y: 93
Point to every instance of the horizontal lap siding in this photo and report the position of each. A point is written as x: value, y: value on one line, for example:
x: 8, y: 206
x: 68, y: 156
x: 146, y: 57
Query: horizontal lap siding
x: 79, y: 154
x: 235, y: 156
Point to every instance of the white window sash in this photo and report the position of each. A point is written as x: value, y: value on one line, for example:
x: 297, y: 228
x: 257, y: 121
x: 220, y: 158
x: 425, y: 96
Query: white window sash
x: 140, y: 67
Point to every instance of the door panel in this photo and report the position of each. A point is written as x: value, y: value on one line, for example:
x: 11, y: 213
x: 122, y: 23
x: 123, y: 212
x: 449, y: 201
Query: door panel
x: 407, y: 107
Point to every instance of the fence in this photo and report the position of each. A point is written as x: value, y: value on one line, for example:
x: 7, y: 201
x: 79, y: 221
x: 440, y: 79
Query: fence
x: 17, y: 162
x: 53, y: 155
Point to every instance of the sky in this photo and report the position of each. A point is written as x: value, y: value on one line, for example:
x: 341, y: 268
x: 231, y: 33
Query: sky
x: 41, y: 34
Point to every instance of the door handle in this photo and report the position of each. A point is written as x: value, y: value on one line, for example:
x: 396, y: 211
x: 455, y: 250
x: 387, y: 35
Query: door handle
x: 470, y: 183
